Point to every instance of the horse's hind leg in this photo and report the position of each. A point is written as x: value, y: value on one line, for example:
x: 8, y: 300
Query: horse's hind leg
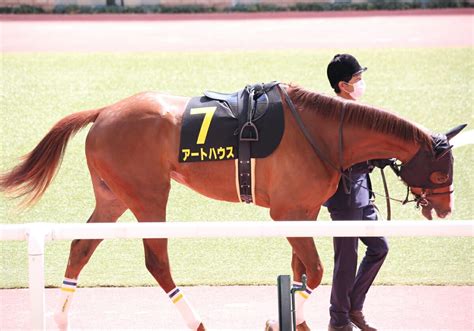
x: 107, y: 209
x: 156, y: 251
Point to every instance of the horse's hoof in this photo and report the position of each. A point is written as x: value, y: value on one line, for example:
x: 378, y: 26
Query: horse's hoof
x: 272, y: 325
x: 201, y: 327
x: 62, y: 321
x: 302, y: 327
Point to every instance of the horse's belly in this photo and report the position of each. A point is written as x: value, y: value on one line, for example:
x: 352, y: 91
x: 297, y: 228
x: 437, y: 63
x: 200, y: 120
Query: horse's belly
x: 215, y: 180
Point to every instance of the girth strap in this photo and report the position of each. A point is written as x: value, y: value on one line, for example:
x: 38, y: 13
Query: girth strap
x: 248, y: 102
x: 244, y: 166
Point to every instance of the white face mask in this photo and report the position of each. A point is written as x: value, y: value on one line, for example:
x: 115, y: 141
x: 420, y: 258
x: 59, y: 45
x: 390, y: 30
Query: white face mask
x: 359, y: 89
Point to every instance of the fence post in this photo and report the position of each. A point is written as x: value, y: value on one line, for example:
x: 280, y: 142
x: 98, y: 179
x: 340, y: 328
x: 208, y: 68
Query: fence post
x: 36, y: 234
x: 284, y: 303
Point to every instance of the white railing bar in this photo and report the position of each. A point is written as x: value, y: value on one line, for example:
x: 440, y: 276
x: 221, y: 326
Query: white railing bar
x: 240, y: 229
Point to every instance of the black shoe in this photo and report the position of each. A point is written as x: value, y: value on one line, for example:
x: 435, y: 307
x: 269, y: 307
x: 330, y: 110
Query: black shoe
x: 347, y: 327
x: 358, y: 318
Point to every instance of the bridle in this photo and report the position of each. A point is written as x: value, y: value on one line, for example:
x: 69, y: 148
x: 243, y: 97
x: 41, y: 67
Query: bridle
x: 422, y: 199
x: 407, y: 172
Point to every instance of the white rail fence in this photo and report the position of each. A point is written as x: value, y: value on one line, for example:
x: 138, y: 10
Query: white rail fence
x: 37, y: 234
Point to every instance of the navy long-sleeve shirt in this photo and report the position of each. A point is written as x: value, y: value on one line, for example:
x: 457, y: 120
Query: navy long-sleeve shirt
x: 359, y: 196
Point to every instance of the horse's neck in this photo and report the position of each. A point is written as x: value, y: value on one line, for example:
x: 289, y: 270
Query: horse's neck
x: 361, y: 144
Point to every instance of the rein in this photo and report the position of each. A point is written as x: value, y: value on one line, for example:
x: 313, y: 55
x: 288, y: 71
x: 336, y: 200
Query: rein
x: 420, y: 200
x: 306, y: 133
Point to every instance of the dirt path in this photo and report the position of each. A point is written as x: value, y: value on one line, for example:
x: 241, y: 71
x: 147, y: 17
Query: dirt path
x: 246, y: 308
x: 226, y: 32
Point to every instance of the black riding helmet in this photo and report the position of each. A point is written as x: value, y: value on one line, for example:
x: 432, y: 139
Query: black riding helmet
x: 341, y: 68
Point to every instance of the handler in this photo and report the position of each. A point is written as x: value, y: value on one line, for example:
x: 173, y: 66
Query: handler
x: 352, y: 202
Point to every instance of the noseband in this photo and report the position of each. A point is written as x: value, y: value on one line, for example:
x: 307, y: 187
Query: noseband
x: 422, y: 199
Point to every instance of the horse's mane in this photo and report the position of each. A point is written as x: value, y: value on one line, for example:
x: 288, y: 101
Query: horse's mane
x: 369, y: 117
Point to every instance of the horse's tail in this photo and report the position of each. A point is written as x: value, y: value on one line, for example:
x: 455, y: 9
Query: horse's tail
x: 32, y: 176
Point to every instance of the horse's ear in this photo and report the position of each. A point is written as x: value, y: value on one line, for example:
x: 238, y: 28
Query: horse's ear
x: 453, y: 132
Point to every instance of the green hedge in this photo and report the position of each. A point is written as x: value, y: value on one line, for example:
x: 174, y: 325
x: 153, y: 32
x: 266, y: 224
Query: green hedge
x: 23, y: 9
x: 369, y: 5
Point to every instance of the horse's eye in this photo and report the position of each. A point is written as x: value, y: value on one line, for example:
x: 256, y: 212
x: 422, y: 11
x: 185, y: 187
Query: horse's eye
x: 439, y: 177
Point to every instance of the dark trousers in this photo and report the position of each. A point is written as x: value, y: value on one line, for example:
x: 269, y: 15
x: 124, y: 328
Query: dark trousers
x: 348, y: 288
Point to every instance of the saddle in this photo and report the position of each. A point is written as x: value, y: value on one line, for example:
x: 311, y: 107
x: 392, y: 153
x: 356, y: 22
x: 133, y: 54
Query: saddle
x: 243, y: 125
x: 248, y: 105
x: 232, y: 100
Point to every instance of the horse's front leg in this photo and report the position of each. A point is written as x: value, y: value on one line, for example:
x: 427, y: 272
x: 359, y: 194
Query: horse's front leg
x: 157, y: 263
x: 305, y: 260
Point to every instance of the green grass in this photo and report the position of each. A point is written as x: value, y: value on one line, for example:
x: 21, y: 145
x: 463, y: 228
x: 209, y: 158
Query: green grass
x: 429, y: 86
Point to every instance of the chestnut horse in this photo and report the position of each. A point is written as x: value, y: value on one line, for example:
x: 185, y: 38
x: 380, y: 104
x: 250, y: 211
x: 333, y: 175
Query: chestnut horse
x: 132, y: 154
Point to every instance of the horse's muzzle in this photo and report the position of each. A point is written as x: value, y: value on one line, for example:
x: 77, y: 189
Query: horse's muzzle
x: 427, y: 211
x: 443, y: 213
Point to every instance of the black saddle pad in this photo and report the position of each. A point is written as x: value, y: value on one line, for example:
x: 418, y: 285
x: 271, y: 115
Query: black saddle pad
x: 210, y: 129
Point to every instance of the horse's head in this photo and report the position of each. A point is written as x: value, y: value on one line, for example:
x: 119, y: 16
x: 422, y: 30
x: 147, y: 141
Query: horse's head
x: 429, y: 174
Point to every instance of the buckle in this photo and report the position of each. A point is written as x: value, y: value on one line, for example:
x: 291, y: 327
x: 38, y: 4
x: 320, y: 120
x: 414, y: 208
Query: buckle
x: 246, y: 198
x: 421, y: 201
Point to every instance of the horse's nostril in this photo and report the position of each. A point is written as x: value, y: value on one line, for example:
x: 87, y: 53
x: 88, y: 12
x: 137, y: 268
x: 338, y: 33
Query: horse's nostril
x: 443, y: 214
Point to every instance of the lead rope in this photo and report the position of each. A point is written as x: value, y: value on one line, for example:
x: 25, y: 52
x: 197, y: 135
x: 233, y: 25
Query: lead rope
x: 387, y: 196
